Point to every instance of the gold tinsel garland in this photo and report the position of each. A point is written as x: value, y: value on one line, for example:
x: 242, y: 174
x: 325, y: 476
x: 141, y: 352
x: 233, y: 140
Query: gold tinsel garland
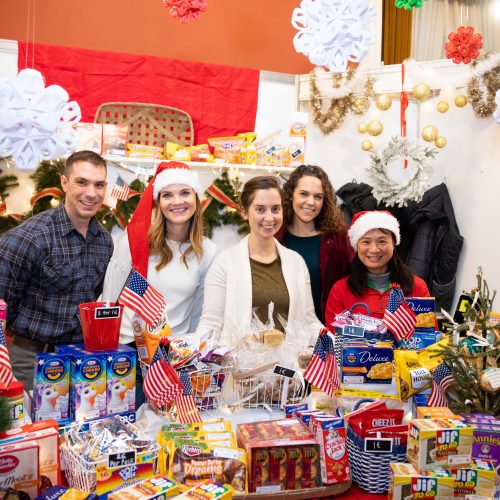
x: 483, y: 85
x: 334, y: 116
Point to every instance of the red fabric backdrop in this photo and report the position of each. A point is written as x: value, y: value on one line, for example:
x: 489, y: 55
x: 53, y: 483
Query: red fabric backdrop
x: 221, y: 100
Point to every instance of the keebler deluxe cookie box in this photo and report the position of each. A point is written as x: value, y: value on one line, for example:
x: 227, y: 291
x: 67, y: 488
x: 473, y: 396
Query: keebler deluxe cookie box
x: 365, y: 362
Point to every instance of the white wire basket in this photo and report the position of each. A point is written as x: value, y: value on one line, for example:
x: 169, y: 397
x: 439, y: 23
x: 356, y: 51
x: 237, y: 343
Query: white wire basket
x: 82, y: 474
x: 261, y: 387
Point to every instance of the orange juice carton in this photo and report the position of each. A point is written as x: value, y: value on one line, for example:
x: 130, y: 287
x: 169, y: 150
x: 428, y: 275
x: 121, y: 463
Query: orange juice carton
x: 408, y: 483
x: 19, y: 467
x: 89, y: 137
x: 439, y: 443
x: 51, y: 387
x: 114, y: 139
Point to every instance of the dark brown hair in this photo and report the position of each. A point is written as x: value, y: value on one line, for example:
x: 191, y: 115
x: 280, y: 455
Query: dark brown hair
x: 88, y: 156
x: 330, y: 219
x: 253, y: 185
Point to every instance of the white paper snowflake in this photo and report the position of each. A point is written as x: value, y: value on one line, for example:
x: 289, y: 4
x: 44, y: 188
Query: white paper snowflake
x: 35, y: 121
x: 496, y: 114
x: 333, y: 32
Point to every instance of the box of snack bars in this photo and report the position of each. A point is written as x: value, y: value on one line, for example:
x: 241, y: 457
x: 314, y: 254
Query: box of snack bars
x: 421, y: 340
x: 439, y: 443
x: 365, y: 362
x: 408, y: 483
x: 274, y: 448
x: 208, y: 490
x: 476, y: 479
x: 435, y: 412
x: 156, y: 487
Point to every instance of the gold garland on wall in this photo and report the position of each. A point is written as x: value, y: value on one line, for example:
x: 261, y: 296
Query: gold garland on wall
x: 343, y: 101
x: 483, y: 85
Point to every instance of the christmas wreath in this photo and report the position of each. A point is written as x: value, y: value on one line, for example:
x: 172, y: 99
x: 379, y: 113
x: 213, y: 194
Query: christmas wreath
x: 389, y: 191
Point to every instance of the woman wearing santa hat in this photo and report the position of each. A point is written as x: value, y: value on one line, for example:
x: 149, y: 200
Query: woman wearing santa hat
x: 164, y: 242
x: 256, y: 271
x: 373, y: 235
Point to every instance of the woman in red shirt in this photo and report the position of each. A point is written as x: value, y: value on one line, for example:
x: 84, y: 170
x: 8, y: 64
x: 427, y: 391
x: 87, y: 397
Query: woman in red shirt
x: 374, y: 236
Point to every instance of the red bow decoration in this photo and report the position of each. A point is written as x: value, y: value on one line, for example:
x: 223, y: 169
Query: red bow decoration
x: 186, y: 10
x: 464, y: 45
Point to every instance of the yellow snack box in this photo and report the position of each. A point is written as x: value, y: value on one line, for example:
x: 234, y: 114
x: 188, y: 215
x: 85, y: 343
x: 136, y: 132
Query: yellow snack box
x: 435, y: 412
x: 208, y: 490
x: 439, y: 443
x: 156, y: 487
x: 476, y: 480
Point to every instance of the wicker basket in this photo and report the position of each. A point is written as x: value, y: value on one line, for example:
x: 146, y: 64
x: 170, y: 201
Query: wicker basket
x: 149, y: 124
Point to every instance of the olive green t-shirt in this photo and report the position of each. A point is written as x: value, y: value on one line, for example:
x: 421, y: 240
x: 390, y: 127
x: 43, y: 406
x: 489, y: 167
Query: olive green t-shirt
x: 268, y: 285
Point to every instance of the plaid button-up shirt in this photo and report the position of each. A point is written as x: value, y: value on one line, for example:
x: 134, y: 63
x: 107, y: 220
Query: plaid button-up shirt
x: 47, y: 268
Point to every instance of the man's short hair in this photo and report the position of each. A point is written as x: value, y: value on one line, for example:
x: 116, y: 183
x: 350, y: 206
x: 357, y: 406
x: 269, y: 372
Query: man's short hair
x: 88, y: 156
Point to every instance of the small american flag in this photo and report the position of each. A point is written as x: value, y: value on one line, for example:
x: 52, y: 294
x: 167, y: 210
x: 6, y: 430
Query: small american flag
x: 6, y: 375
x: 161, y: 383
x: 186, y: 405
x: 142, y: 298
x: 121, y: 189
x: 323, y: 371
x: 398, y: 316
x: 441, y: 381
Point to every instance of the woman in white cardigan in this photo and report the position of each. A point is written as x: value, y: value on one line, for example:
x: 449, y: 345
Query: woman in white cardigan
x: 256, y: 271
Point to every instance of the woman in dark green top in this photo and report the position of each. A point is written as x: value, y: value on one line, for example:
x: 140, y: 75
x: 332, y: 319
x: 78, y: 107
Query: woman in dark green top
x: 314, y: 227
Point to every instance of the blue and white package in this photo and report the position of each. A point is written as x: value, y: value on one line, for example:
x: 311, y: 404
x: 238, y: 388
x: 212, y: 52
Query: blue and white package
x: 120, y: 379
x: 88, y: 384
x: 421, y: 340
x: 51, y: 387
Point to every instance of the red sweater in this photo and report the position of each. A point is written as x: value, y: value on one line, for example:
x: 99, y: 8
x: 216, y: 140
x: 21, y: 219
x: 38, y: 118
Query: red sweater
x: 341, y: 299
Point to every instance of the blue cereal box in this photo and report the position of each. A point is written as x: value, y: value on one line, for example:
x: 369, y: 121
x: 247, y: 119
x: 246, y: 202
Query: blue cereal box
x: 88, y: 384
x: 420, y: 340
x: 367, y: 363
x: 120, y: 379
x: 51, y: 387
x: 425, y: 310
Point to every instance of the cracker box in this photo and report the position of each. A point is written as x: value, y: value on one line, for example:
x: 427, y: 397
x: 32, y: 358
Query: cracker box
x: 88, y: 385
x: 292, y: 409
x: 88, y: 137
x: 330, y: 433
x: 208, y: 490
x: 425, y: 310
x: 48, y: 454
x: 156, y: 487
x: 282, y: 455
x: 439, y: 443
x: 114, y: 139
x: 51, y: 387
x: 19, y: 467
x: 476, y: 479
x: 421, y: 340
x: 408, y: 483
x: 120, y: 380
x: 367, y: 363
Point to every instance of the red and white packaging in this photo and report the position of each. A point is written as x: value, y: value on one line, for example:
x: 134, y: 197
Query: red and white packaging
x: 19, y: 467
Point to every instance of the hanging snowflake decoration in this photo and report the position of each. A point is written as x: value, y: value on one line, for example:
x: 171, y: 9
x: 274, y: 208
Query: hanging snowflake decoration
x: 496, y: 114
x: 333, y: 32
x: 464, y: 45
x: 408, y: 4
x: 35, y: 121
x: 186, y: 10
x: 386, y: 189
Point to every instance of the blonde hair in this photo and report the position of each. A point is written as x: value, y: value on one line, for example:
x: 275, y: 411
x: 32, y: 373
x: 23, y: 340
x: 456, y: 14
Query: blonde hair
x: 157, y: 236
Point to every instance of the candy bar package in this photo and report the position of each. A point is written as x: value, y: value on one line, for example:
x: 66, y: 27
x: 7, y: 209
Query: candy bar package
x: 439, y: 443
x: 408, y: 483
x: 282, y: 455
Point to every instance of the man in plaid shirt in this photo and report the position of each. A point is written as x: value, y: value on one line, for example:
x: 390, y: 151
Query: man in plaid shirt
x: 53, y: 262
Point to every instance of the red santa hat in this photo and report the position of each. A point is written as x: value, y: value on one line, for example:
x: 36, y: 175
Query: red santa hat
x: 363, y: 222
x: 167, y: 173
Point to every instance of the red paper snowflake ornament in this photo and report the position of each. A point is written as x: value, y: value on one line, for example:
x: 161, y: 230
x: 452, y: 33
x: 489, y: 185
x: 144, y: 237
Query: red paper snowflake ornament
x: 464, y: 45
x: 186, y: 10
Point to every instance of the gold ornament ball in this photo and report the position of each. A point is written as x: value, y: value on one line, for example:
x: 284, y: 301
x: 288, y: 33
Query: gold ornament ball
x: 375, y: 127
x: 460, y: 101
x: 443, y: 106
x: 429, y: 133
x: 421, y: 91
x: 367, y: 145
x: 359, y: 102
x: 440, y: 142
x: 383, y: 102
x: 362, y: 128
